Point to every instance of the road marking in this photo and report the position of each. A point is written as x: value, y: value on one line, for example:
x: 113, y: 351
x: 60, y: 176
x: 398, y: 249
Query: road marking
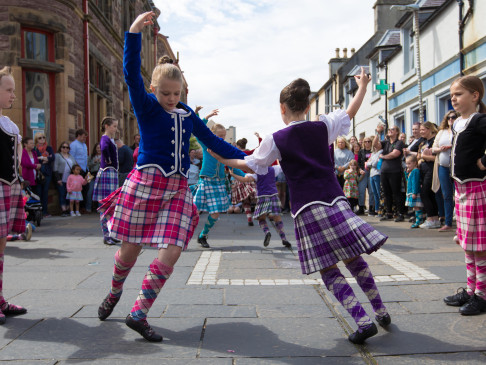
x: 206, y: 269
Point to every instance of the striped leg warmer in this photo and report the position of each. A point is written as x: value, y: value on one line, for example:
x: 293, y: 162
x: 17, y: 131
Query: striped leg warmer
x: 207, y: 227
x: 471, y: 273
x: 120, y: 272
x: 481, y: 277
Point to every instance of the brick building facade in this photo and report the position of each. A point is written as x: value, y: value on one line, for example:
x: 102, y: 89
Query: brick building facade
x: 65, y: 82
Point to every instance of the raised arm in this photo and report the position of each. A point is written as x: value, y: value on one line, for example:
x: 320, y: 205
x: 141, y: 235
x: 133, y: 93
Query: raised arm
x: 362, y: 80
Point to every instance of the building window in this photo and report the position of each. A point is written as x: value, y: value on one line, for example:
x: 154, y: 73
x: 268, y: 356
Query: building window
x: 328, y: 101
x: 408, y: 48
x: 415, y: 114
x: 317, y: 104
x: 128, y: 14
x: 37, y: 45
x: 400, y: 122
x: 99, y: 76
x: 443, y: 105
x: 375, y: 75
x: 104, y: 6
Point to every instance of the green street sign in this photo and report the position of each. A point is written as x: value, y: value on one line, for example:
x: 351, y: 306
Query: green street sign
x: 382, y: 87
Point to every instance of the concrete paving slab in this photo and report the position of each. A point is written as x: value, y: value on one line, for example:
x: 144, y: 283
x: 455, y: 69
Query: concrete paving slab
x: 293, y: 311
x: 430, y: 333
x: 463, y: 358
x: 153, y: 359
x: 272, y: 337
x: 325, y: 360
x: 210, y: 311
x: 303, y: 295
x: 85, y: 338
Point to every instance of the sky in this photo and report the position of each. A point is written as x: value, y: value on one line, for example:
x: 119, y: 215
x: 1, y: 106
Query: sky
x: 237, y: 55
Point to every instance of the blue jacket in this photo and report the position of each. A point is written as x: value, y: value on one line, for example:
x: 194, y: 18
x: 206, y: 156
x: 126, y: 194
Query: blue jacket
x: 165, y: 135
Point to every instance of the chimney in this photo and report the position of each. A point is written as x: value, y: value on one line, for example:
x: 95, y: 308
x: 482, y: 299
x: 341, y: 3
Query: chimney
x: 352, y: 51
x: 337, y: 52
x: 345, y: 53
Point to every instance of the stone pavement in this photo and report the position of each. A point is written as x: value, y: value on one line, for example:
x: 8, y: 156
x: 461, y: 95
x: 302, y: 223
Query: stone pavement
x: 238, y: 303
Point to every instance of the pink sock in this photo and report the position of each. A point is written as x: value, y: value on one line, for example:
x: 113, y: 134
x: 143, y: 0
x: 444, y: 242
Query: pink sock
x: 120, y: 272
x: 471, y: 273
x: 153, y: 282
x: 481, y: 277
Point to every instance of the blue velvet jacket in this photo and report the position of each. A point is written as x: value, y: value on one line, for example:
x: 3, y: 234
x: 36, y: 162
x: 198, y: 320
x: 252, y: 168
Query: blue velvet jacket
x: 165, y: 135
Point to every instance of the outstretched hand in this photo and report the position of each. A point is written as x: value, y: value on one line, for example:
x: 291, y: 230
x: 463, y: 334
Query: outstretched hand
x: 212, y: 114
x: 362, y: 79
x: 142, y: 21
x: 198, y: 108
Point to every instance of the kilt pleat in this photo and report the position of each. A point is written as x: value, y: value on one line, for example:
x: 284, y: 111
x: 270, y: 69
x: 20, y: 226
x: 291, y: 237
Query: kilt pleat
x: 470, y: 200
x: 267, y: 205
x: 329, y: 234
x: 151, y: 209
x: 241, y: 191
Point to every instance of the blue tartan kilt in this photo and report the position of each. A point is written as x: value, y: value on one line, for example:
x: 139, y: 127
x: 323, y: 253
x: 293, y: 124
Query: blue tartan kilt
x: 211, y: 195
x: 106, y: 183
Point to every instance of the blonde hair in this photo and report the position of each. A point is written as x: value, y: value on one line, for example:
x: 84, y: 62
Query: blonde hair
x: 5, y: 71
x: 217, y: 126
x: 430, y: 126
x: 165, y: 69
x: 37, y: 136
x: 346, y: 142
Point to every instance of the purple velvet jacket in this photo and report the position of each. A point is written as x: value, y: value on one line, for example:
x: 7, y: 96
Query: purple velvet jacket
x: 308, y: 165
x: 109, y: 153
x: 266, y: 183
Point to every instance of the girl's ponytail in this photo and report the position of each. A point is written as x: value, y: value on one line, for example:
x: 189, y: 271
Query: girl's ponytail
x: 482, y: 107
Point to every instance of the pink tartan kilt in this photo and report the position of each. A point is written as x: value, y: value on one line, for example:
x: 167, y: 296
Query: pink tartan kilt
x: 471, y: 215
x: 12, y: 213
x: 150, y: 209
x: 241, y: 191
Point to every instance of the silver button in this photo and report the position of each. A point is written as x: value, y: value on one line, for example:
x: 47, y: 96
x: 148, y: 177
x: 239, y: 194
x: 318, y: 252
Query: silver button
x: 183, y: 131
x: 172, y: 141
x: 172, y: 129
x: 182, y: 156
x: 12, y: 138
x: 172, y: 167
x: 172, y: 154
x: 183, y: 143
x: 182, y: 169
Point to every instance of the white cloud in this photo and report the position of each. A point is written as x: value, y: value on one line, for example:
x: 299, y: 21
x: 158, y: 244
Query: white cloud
x: 237, y: 55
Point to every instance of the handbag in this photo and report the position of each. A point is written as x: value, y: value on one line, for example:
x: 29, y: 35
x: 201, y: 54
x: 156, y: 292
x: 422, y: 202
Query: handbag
x: 40, y: 178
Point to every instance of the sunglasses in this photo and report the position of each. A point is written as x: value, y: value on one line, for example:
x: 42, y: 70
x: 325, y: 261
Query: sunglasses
x: 41, y: 137
x: 452, y: 117
x: 367, y: 141
x: 66, y: 147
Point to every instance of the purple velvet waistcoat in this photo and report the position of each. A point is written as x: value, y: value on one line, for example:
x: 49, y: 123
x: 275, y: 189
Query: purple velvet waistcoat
x: 307, y: 164
x: 266, y: 183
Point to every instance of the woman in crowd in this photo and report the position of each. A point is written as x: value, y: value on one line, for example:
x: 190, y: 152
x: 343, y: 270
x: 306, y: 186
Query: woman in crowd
x: 63, y: 163
x: 29, y: 162
x: 426, y: 159
x: 93, y: 168
x: 46, y: 157
x: 365, y: 183
x: 342, y: 157
x: 442, y: 172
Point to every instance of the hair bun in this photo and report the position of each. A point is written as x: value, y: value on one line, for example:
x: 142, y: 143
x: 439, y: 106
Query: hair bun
x: 165, y: 59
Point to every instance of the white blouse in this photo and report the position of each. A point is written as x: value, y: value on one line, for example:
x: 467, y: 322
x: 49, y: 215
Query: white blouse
x: 337, y: 122
x: 10, y: 127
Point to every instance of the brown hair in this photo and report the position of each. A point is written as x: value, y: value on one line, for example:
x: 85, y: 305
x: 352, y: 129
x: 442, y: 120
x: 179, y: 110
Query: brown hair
x: 412, y: 158
x: 430, y: 126
x: 296, y: 95
x: 165, y: 69
x: 107, y: 121
x: 242, y: 143
x: 445, y: 121
x: 26, y: 140
x: 5, y: 71
x: 473, y: 84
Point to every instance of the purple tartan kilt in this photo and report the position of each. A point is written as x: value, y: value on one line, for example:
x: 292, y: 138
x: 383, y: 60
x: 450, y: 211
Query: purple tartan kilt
x: 106, y: 183
x: 329, y: 234
x: 267, y: 205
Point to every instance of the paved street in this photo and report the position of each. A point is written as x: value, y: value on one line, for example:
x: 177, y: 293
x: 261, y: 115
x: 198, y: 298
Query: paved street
x: 237, y: 303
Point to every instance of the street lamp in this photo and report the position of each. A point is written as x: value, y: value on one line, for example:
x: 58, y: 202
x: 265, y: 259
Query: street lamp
x: 415, y: 9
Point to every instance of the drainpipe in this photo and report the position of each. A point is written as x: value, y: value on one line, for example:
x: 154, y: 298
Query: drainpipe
x: 86, y: 67
x: 156, y: 31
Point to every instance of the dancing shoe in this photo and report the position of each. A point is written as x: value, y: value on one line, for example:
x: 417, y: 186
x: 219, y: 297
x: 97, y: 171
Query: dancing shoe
x: 106, y: 308
x: 383, y: 321
x: 286, y: 243
x: 266, y: 241
x: 143, y: 328
x: 476, y: 305
x: 458, y: 299
x: 250, y: 223
x: 359, y: 337
x: 203, y: 241
x: 109, y: 241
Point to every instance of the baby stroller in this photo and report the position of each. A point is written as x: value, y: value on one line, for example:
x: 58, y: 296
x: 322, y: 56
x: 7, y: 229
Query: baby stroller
x: 33, y: 207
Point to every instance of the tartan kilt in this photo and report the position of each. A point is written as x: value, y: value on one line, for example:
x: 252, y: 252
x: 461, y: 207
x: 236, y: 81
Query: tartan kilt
x: 329, y: 234
x: 151, y: 209
x: 12, y: 213
x: 211, y: 195
x: 106, y: 182
x: 470, y: 200
x: 241, y: 191
x: 267, y: 205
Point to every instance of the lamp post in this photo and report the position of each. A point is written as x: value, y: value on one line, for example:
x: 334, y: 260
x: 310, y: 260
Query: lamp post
x: 414, y: 8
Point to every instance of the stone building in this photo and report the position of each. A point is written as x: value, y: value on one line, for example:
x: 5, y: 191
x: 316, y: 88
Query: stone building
x: 67, y: 60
